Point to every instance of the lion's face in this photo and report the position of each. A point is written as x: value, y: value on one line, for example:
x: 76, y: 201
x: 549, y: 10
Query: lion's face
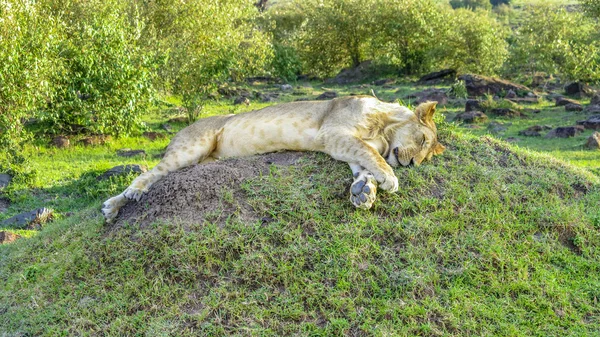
x: 416, y: 141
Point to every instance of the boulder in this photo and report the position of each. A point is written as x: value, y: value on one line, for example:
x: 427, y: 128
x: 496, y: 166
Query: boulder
x: 230, y: 92
x: 565, y: 132
x: 579, y: 89
x: 61, y: 142
x: 432, y: 94
x: 130, y: 153
x: 595, y: 99
x: 153, y: 135
x: 562, y: 101
x: 8, y: 237
x: 505, y: 112
x: 573, y: 107
x: 122, y: 169
x: 511, y: 94
x: 497, y: 127
x: 180, y: 119
x: 592, y: 109
x: 350, y: 75
x: 29, y: 220
x: 241, y: 100
x: 267, y: 97
x: 5, y: 180
x: 478, y: 85
x: 472, y: 105
x: 327, y: 95
x: 593, y: 142
x: 592, y: 123
x: 286, y: 87
x: 439, y: 75
x: 384, y: 81
x: 471, y: 117
x: 529, y: 133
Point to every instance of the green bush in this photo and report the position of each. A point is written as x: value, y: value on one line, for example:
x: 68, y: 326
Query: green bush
x: 335, y: 33
x: 472, y: 4
x: 410, y: 33
x: 104, y: 83
x: 204, y: 43
x: 476, y: 43
x: 556, y: 41
x: 26, y: 40
x: 286, y: 63
x: 500, y: 2
x: 591, y: 7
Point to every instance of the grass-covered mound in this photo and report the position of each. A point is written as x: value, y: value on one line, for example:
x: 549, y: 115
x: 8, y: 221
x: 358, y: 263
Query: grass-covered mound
x: 485, y: 240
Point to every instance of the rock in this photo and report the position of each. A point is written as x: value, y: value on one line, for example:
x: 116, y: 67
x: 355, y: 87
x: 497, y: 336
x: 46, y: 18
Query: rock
x: 241, y: 100
x: 350, y: 75
x: 167, y: 127
x: 432, y: 94
x: 512, y: 139
x: 592, y: 109
x: 573, y: 107
x: 61, y: 142
x: 122, y: 169
x: 302, y: 99
x: 268, y: 97
x: 579, y: 89
x: 4, y: 204
x: 130, y: 153
x: 95, y: 140
x: 153, y: 135
x: 562, y: 101
x: 439, y: 75
x: 5, y: 180
x: 595, y: 99
x: 472, y: 105
x: 385, y: 81
x: 471, y: 117
x: 497, y: 127
x: 181, y: 119
x: 524, y: 100
x: 592, y: 123
x: 593, y: 142
x: 286, y: 87
x: 230, y: 92
x: 8, y: 237
x: 528, y: 133
x: 327, y: 95
x: 511, y: 94
x: 565, y: 132
x: 478, y: 85
x: 538, y: 128
x: 29, y: 220
x: 505, y: 112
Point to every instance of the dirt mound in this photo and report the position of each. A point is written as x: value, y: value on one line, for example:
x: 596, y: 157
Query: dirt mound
x: 207, y: 192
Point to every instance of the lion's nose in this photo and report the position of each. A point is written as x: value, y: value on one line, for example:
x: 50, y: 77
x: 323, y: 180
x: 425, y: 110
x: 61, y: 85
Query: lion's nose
x: 395, y: 150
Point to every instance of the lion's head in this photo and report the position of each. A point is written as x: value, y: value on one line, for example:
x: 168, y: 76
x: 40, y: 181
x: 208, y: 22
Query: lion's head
x: 415, y: 141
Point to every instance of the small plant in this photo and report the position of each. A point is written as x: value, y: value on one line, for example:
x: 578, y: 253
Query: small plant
x: 458, y: 89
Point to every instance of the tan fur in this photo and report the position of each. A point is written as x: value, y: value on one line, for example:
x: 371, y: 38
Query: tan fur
x: 370, y: 135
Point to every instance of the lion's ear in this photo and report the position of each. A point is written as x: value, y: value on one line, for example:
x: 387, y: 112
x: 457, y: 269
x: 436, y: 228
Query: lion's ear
x: 425, y: 112
x: 438, y: 148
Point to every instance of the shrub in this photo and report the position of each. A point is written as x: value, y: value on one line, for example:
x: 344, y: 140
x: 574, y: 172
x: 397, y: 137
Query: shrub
x: 556, y: 41
x: 499, y: 2
x: 206, y: 42
x: 591, y: 7
x: 410, y: 33
x: 26, y: 40
x: 104, y: 83
x: 476, y: 43
x: 472, y: 4
x: 335, y: 34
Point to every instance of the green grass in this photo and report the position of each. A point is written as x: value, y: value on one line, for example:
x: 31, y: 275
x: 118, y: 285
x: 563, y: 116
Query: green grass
x: 489, y: 239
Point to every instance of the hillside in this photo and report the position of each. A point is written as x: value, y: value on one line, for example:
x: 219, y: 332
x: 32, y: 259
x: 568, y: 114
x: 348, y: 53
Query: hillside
x: 488, y: 239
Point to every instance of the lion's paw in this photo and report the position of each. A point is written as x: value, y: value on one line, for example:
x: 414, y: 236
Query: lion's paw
x: 363, y: 191
x: 111, y: 207
x: 133, y: 193
x: 390, y: 183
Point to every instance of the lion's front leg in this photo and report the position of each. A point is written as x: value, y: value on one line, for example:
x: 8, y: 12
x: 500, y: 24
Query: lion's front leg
x: 348, y: 148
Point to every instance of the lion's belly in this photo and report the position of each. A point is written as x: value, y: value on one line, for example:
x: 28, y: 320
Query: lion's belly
x: 246, y: 137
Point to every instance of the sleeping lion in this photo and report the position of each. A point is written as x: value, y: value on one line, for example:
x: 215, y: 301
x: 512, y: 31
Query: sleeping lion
x: 370, y: 135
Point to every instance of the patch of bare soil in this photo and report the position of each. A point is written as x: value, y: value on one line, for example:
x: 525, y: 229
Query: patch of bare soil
x: 206, y: 192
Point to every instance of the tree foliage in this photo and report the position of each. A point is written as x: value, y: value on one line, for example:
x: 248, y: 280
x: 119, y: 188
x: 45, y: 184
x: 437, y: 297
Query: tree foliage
x: 472, y: 4
x: 556, y: 41
x: 591, y: 7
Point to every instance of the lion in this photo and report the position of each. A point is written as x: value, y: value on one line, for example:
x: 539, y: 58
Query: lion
x: 370, y: 135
